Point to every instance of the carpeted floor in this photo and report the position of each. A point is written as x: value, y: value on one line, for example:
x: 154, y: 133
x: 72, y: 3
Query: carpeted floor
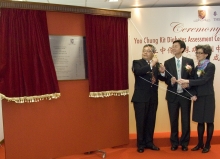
x: 130, y: 151
x: 162, y: 140
x: 164, y: 153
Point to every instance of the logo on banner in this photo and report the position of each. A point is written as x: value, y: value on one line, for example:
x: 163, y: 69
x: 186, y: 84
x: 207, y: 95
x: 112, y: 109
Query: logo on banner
x: 216, y: 18
x: 201, y: 14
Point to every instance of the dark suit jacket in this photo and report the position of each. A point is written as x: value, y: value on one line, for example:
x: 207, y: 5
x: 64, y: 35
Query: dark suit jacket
x: 204, y: 83
x: 143, y: 74
x: 170, y: 66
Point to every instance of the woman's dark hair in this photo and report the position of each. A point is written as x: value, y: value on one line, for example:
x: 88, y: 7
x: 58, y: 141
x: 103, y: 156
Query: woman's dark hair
x: 207, y: 49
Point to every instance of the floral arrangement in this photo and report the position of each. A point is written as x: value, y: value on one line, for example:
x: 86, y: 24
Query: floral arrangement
x: 200, y: 72
x: 188, y: 68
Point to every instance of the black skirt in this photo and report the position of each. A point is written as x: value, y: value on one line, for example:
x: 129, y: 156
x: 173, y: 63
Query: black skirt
x: 204, y: 109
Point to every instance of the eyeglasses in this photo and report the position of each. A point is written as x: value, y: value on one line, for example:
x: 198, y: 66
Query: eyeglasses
x: 199, y: 53
x: 147, y: 51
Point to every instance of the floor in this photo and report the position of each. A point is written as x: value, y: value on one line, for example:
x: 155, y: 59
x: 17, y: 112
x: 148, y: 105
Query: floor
x: 130, y: 151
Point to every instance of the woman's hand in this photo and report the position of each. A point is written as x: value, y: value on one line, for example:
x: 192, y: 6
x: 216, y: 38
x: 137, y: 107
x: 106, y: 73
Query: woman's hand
x: 183, y: 81
x: 193, y: 98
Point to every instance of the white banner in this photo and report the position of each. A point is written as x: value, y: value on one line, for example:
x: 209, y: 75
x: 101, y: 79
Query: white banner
x: 160, y: 27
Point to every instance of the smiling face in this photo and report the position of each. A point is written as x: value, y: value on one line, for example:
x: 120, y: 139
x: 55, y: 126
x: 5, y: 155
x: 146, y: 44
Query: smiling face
x: 147, y: 53
x: 200, y: 55
x: 177, y: 50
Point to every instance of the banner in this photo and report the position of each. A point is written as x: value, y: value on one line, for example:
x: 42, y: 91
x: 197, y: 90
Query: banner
x: 160, y: 27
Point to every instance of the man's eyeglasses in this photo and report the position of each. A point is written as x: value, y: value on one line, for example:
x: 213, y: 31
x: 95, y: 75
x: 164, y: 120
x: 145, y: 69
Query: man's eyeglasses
x: 147, y: 51
x: 199, y: 53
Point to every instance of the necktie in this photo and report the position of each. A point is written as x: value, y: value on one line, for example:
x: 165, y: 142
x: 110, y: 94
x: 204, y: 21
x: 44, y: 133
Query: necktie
x: 153, y: 79
x: 178, y: 63
x: 179, y: 88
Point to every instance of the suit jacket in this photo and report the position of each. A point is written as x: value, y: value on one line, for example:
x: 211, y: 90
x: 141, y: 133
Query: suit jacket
x: 170, y: 66
x: 143, y: 86
x: 204, y: 82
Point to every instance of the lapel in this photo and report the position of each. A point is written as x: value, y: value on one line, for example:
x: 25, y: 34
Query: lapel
x: 144, y: 62
x: 196, y: 76
x: 174, y: 70
x: 154, y: 70
x: 184, y: 62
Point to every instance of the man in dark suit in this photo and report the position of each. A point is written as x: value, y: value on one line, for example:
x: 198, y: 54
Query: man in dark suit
x: 145, y: 98
x: 177, y: 97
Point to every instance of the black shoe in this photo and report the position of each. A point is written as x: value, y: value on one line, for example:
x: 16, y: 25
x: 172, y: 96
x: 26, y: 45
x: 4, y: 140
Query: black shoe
x: 153, y: 147
x: 197, y: 147
x: 173, y: 148
x: 205, y: 149
x: 184, y: 148
x: 140, y: 150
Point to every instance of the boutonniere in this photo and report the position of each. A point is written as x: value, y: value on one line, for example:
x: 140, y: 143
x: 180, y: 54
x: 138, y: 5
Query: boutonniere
x: 200, y: 72
x: 188, y: 68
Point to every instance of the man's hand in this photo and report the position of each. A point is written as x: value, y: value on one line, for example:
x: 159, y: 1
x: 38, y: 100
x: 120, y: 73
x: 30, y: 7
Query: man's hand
x: 162, y: 68
x: 154, y: 61
x: 173, y: 80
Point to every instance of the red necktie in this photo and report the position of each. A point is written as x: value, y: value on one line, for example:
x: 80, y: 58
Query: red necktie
x: 153, y: 79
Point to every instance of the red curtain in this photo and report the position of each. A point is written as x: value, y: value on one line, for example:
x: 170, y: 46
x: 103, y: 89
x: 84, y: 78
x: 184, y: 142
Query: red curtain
x: 107, y: 52
x: 27, y: 73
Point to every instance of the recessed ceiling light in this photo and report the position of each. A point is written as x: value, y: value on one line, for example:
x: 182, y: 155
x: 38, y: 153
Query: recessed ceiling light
x: 112, y: 0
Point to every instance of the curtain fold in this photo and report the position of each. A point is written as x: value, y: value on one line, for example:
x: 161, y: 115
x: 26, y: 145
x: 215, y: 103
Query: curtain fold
x: 107, y: 52
x: 27, y: 72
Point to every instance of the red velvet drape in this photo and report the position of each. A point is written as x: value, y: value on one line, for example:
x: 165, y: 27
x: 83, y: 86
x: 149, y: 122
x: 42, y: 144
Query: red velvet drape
x: 27, y: 72
x: 107, y: 52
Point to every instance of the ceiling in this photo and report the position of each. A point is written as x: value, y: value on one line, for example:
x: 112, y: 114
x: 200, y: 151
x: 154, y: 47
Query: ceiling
x: 130, y: 3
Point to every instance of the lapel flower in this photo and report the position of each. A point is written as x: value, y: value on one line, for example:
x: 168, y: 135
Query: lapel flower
x: 188, y: 68
x: 200, y: 72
